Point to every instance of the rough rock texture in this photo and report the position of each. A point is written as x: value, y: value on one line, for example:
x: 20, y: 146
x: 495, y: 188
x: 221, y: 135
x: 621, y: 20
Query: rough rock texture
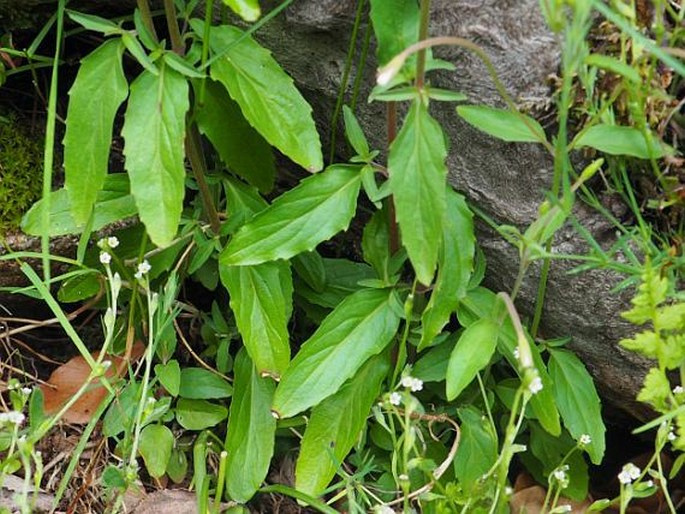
x: 505, y: 180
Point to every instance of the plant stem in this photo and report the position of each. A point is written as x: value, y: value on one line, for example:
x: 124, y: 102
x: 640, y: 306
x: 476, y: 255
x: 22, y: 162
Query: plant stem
x: 199, y: 167
x: 391, y: 111
x: 423, y: 34
x: 146, y: 15
x: 172, y: 24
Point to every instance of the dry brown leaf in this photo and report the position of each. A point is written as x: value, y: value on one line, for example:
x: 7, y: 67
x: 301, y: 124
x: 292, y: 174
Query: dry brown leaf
x: 67, y: 379
x: 529, y: 498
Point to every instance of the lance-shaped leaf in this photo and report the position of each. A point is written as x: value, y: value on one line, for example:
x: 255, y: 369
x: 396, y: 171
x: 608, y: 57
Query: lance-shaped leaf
x: 98, y: 91
x: 267, y: 96
x: 578, y: 400
x: 417, y: 179
x: 240, y: 146
x: 619, y: 140
x: 396, y: 25
x: 261, y: 299
x: 360, y: 327
x: 261, y: 295
x: 454, y: 267
x: 335, y: 425
x: 251, y: 430
x: 503, y: 123
x: 314, y: 211
x: 248, y: 10
x: 472, y: 353
x: 154, y: 131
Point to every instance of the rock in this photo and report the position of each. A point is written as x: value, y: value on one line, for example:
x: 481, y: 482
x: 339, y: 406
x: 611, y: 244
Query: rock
x: 507, y: 181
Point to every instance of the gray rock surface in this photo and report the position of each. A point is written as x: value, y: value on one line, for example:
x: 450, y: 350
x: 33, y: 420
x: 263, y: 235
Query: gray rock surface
x: 505, y: 180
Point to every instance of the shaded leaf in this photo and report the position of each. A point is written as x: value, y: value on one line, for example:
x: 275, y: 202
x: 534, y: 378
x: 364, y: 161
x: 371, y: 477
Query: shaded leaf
x: 98, y: 91
x: 169, y: 376
x: 396, y: 25
x: 503, y: 124
x: 154, y: 131
x: 478, y: 449
x: 432, y: 366
x: 199, y: 414
x: 314, y: 211
x: 417, y: 178
x: 361, y: 326
x: 251, y: 430
x: 266, y: 95
x: 200, y: 383
x: 335, y: 425
x: 239, y: 145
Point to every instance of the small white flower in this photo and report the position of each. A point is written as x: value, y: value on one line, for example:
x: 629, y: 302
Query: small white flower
x: 106, y: 364
x: 407, y: 381
x: 649, y: 483
x: 678, y: 390
x: 112, y: 241
x: 560, y: 475
x: 14, y: 417
x: 416, y: 384
x: 403, y: 478
x: 671, y: 435
x: 585, y: 440
x: 383, y: 509
x: 26, y: 390
x: 516, y: 353
x: 395, y: 398
x: 629, y: 473
x: 105, y: 258
x: 535, y: 385
x: 143, y: 268
x: 508, y: 490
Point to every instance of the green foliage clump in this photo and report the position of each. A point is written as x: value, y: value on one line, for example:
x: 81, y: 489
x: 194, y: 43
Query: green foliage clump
x: 21, y: 159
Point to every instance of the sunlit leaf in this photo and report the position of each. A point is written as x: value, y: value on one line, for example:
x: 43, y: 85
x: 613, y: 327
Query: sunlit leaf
x: 618, y: 140
x: 360, y: 327
x: 473, y: 351
x: 98, y: 91
x: 503, y: 124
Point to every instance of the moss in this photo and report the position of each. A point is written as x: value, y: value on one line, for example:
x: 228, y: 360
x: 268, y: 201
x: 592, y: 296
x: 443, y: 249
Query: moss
x: 21, y: 160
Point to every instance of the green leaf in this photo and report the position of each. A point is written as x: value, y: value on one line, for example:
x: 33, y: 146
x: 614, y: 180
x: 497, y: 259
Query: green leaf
x: 181, y: 65
x: 376, y: 243
x: 618, y: 140
x: 483, y: 303
x: 477, y: 448
x: 396, y: 25
x: 80, y: 287
x: 98, y: 91
x: 155, y: 445
x: 154, y: 131
x: 503, y: 124
x: 445, y: 95
x: 266, y: 95
x: 613, y: 65
x: 199, y: 414
x: 95, y: 23
x: 138, y: 52
x: 248, y: 10
x: 355, y: 134
x: 417, y: 179
x: 310, y: 267
x: 240, y: 146
x: 342, y: 279
x: 472, y: 353
x: 169, y: 376
x: 177, y: 467
x: 202, y: 384
x: 334, y: 427
x: 432, y: 366
x: 251, y: 431
x: 314, y: 211
x: 261, y: 299
x: 242, y: 202
x: 455, y: 264
x: 577, y: 400
x: 113, y: 203
x: 360, y: 327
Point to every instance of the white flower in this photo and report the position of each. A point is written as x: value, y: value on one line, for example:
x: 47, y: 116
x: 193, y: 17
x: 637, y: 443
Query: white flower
x: 403, y: 478
x: 395, y: 398
x: 585, y: 440
x: 678, y: 390
x: 629, y: 473
x: 560, y: 475
x: 516, y: 353
x: 143, y: 268
x: 105, y: 258
x: 106, y: 364
x: 26, y: 390
x: 671, y: 435
x: 416, y: 384
x: 112, y: 241
x: 535, y: 385
x: 14, y: 417
x: 407, y: 381
x: 383, y: 509
x: 649, y: 483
